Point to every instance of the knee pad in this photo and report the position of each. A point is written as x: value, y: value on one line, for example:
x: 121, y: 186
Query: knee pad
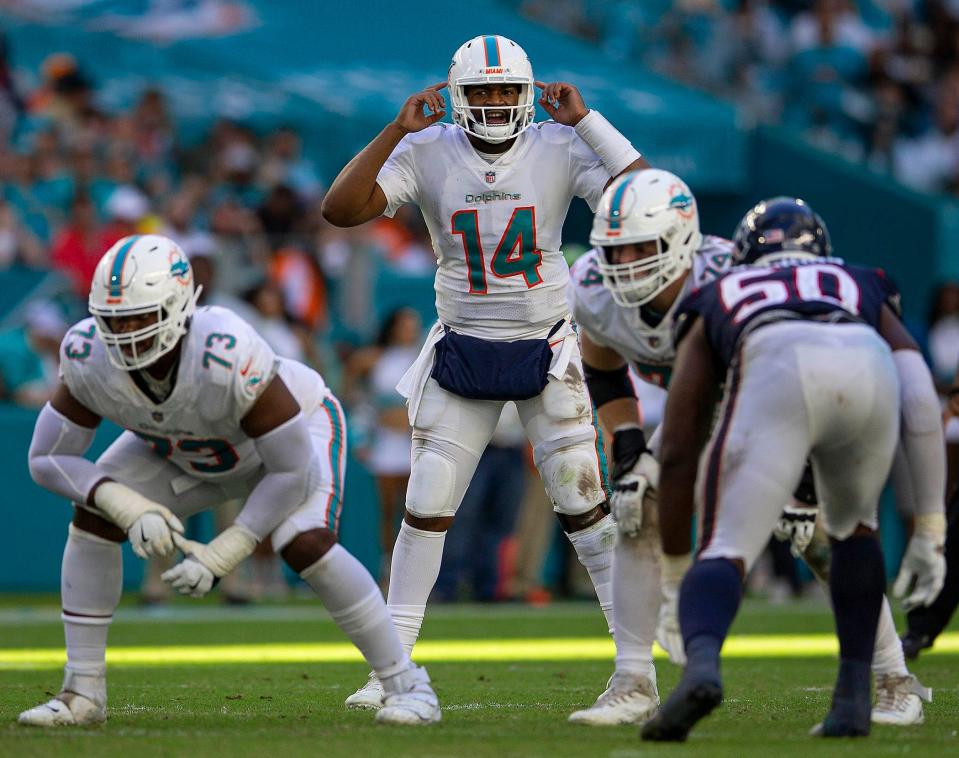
x: 572, y: 477
x: 431, y: 491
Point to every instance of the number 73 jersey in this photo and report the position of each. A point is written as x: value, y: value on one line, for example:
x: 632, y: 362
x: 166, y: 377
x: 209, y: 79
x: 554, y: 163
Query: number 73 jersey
x: 224, y: 366
x: 496, y: 227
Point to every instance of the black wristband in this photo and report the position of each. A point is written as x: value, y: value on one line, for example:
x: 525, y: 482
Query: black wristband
x: 628, y: 445
x: 953, y: 390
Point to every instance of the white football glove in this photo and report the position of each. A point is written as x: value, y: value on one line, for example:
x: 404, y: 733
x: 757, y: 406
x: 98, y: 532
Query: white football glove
x: 629, y: 491
x: 796, y: 525
x: 667, y: 625
x: 190, y: 577
x: 203, y: 565
x: 923, y: 567
x: 149, y: 525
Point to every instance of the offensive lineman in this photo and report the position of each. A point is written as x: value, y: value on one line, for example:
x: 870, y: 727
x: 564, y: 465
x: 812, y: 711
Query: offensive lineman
x: 624, y: 296
x: 818, y: 366
x: 210, y: 414
x: 494, y: 188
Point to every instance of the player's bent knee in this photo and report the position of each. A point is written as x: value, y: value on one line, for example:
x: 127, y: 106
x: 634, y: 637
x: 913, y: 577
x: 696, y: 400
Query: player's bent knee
x: 431, y: 489
x: 307, y: 548
x: 572, y: 479
x: 87, y: 521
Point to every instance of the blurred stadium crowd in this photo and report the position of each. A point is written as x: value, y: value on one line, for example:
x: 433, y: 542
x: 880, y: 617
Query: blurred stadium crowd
x: 874, y: 80
x: 877, y: 80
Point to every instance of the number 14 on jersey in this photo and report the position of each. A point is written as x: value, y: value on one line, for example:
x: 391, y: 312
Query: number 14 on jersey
x: 515, y: 255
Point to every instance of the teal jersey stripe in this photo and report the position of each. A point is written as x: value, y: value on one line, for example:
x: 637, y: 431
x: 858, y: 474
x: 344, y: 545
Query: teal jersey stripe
x: 116, y: 273
x: 616, y: 206
x: 492, y: 51
x: 336, y: 448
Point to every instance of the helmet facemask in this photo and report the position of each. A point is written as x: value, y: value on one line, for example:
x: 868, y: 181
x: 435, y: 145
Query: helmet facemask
x: 637, y: 282
x: 473, y: 119
x: 126, y: 350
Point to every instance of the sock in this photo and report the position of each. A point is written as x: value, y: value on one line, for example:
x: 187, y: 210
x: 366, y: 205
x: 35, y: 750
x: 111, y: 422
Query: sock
x: 354, y: 601
x: 887, y: 657
x: 91, y: 581
x: 417, y: 555
x: 857, y: 582
x: 594, y: 548
x: 708, y: 601
x: 636, y: 597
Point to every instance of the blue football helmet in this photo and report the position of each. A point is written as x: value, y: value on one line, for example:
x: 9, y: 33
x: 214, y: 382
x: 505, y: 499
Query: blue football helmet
x: 781, y: 227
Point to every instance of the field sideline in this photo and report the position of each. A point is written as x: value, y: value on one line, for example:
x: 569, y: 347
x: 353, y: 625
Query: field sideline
x: 200, y: 678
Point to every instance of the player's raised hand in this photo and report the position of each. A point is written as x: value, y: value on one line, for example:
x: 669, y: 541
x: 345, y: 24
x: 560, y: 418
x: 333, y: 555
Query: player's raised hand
x: 413, y: 118
x: 562, y: 102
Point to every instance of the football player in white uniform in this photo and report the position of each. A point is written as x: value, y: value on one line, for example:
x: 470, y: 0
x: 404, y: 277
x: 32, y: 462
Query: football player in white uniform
x: 494, y: 188
x: 210, y: 414
x: 649, y: 253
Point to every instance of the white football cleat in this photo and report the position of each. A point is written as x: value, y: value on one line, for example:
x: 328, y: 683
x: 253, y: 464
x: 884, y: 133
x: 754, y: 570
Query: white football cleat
x: 629, y: 699
x: 414, y: 704
x: 66, y: 709
x: 899, y: 700
x: 369, y: 697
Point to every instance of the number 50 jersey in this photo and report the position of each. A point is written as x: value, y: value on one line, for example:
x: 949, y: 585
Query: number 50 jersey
x: 496, y: 226
x: 224, y: 366
x: 825, y: 289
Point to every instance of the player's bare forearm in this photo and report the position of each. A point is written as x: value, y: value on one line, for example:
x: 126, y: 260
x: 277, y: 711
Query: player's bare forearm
x: 689, y: 409
x: 354, y: 197
x: 621, y: 412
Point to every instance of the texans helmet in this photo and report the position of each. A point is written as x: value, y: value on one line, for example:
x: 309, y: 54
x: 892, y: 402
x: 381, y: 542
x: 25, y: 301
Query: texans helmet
x: 781, y: 227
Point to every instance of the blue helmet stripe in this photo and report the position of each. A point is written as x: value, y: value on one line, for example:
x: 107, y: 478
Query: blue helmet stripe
x: 116, y: 273
x: 616, y: 204
x: 492, y: 51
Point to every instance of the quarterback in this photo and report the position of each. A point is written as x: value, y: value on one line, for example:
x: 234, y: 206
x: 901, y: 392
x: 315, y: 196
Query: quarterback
x: 649, y: 254
x: 494, y: 188
x: 210, y: 414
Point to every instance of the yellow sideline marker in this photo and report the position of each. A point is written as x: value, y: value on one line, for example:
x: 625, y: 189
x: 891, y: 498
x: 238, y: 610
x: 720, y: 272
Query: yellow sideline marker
x: 514, y: 649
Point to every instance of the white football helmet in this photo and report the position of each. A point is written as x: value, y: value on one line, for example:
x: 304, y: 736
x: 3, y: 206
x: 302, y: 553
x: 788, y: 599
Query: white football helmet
x: 142, y: 274
x: 492, y: 59
x: 643, y: 206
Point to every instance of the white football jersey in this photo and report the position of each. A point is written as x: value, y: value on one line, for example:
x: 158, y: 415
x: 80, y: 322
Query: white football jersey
x: 224, y: 365
x: 647, y: 347
x: 496, y: 227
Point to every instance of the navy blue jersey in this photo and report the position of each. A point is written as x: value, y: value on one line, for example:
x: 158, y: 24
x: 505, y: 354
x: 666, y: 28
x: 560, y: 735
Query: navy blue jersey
x: 751, y: 295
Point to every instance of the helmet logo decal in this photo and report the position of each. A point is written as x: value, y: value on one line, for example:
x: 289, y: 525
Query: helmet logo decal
x: 681, y: 202
x: 179, y: 267
x: 116, y: 272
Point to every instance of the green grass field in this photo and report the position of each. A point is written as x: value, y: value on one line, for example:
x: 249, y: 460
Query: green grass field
x: 270, y: 680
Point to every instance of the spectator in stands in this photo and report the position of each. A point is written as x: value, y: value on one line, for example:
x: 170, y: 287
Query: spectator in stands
x: 283, y: 163
x: 29, y: 356
x: 11, y: 104
x: 79, y: 245
x: 931, y: 162
x: 18, y: 245
x: 943, y: 339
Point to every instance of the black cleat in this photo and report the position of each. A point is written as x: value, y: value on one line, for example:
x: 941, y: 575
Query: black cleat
x: 689, y: 702
x: 913, y: 643
x: 848, y: 718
